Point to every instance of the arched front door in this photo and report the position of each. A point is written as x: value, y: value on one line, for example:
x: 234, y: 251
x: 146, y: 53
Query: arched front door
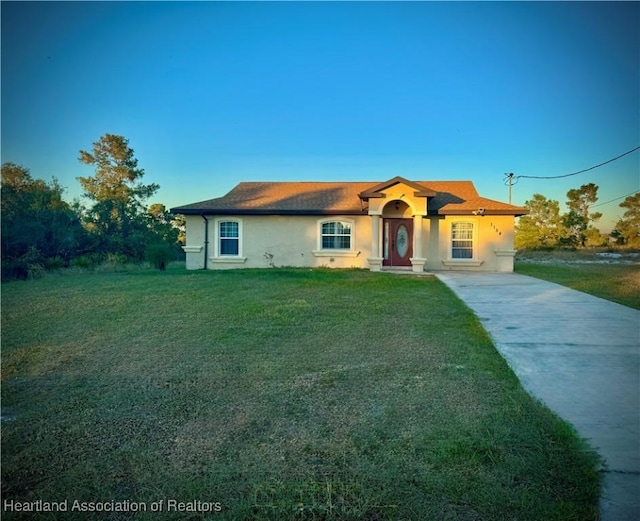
x: 397, y: 242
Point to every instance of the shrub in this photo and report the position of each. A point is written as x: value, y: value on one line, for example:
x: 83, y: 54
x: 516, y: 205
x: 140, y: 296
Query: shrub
x: 159, y: 255
x: 84, y: 261
x: 55, y: 263
x: 27, y: 266
x: 113, y: 263
x: 14, y: 269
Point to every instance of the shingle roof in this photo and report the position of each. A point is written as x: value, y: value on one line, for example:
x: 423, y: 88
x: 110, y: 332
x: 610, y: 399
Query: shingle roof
x: 331, y: 198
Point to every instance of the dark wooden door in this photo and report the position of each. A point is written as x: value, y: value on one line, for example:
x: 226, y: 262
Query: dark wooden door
x: 398, y: 242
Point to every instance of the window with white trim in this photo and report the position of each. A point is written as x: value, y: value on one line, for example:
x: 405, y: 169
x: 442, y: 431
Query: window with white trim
x: 228, y: 238
x: 336, y: 235
x: 462, y: 240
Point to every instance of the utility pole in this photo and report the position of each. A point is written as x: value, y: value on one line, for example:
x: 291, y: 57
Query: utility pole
x: 509, y: 182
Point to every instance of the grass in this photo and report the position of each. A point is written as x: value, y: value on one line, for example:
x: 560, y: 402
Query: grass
x: 584, y: 271
x: 279, y: 394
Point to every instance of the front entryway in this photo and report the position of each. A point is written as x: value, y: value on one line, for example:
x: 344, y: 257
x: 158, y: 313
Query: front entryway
x: 397, y: 242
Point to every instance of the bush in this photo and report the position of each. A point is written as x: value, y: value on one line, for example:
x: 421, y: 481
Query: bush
x: 113, y: 263
x: 27, y: 266
x: 90, y: 260
x: 159, y: 255
x: 55, y: 263
x: 14, y: 269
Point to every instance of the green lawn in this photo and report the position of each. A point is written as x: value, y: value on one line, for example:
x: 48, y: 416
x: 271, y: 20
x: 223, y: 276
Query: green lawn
x: 616, y: 282
x: 279, y: 394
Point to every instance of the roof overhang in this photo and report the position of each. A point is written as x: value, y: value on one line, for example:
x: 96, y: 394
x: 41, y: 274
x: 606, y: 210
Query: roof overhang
x: 479, y: 213
x: 442, y: 211
x: 236, y: 211
x: 378, y: 190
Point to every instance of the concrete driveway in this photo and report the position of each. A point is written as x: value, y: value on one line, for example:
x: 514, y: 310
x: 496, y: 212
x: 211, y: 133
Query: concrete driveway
x: 578, y: 354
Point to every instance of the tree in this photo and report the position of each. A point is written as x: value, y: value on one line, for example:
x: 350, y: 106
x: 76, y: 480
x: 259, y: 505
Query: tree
x: 179, y: 222
x: 161, y: 222
x: 576, y: 226
x: 118, y: 213
x: 578, y: 220
x: 627, y: 230
x: 542, y: 227
x: 581, y: 199
x: 38, y: 226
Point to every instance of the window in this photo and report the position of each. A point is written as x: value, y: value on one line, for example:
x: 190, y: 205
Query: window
x: 336, y: 238
x: 229, y: 236
x: 336, y: 235
x: 462, y: 241
x: 227, y: 241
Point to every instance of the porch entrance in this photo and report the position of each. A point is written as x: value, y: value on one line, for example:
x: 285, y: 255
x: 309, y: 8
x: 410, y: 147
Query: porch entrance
x: 397, y: 240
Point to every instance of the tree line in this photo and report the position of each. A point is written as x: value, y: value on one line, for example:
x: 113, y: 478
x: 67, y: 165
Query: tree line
x: 41, y: 231
x: 546, y: 227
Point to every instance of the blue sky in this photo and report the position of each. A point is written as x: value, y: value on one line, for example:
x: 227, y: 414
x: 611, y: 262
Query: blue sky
x: 213, y: 93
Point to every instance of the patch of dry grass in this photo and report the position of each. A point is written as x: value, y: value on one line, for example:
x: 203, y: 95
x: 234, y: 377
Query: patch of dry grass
x: 597, y: 272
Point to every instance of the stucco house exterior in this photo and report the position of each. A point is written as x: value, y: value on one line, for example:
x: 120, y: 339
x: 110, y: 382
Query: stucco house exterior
x: 396, y: 224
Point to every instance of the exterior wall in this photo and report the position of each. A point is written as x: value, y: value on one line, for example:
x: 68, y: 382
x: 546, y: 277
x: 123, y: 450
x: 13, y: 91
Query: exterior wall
x: 294, y: 240
x: 493, y: 243
x: 279, y: 241
x: 194, y: 247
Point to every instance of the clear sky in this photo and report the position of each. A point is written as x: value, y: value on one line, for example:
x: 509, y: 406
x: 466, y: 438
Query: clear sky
x: 213, y: 93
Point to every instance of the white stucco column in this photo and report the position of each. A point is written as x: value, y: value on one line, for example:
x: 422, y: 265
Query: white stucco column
x: 418, y: 260
x: 375, y: 233
x: 417, y: 233
x: 375, y: 261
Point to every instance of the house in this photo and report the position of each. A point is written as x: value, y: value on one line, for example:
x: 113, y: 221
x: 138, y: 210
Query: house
x: 399, y: 224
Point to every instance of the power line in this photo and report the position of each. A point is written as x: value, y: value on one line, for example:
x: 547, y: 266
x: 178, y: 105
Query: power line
x: 613, y: 200
x: 580, y: 171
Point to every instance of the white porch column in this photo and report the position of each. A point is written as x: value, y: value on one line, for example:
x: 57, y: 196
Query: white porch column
x: 375, y: 261
x: 375, y: 234
x: 418, y: 260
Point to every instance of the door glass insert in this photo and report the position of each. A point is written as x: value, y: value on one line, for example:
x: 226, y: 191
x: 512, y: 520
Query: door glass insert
x: 386, y: 241
x: 402, y: 240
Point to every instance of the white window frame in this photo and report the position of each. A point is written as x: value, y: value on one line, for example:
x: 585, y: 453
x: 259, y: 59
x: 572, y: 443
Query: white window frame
x: 217, y: 255
x: 473, y: 261
x: 337, y: 252
x: 473, y: 240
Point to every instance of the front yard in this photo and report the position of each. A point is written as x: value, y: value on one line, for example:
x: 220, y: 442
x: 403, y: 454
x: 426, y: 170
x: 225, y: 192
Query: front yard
x: 272, y: 394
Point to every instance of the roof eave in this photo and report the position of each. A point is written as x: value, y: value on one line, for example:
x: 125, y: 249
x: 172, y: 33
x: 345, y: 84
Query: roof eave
x: 239, y: 211
x: 371, y: 195
x: 515, y: 213
x: 376, y: 191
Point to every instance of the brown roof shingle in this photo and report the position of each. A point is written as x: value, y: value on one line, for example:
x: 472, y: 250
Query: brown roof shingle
x: 331, y: 198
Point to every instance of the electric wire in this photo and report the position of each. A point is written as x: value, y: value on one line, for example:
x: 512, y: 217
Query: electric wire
x: 580, y: 171
x: 614, y: 200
